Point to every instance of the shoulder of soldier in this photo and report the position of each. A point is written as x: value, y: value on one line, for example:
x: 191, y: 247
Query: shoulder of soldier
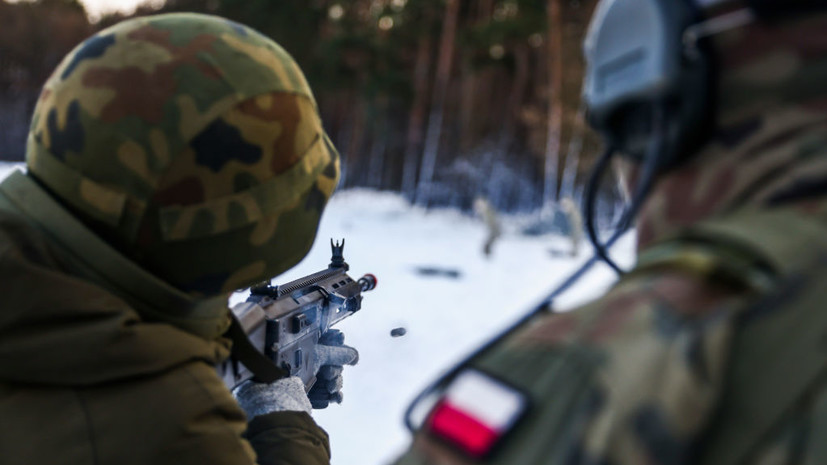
x: 20, y: 237
x: 648, y: 353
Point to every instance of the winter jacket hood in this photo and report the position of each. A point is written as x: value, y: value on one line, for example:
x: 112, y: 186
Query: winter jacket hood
x: 81, y: 327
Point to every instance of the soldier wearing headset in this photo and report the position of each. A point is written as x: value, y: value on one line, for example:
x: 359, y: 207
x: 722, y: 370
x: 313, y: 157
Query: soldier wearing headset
x: 710, y: 350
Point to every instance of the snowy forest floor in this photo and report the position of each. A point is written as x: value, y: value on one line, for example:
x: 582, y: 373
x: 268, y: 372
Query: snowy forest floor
x: 445, y: 317
x: 466, y: 300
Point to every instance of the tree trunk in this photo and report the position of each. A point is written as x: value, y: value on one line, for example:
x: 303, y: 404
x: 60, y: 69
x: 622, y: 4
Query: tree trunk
x: 356, y: 137
x: 515, y: 98
x: 567, y: 185
x: 474, y: 83
x: 555, y: 111
x: 416, y: 122
x: 379, y: 145
x: 443, y: 78
x: 484, y: 10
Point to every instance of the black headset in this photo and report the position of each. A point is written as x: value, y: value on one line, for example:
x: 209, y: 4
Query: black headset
x: 650, y: 90
x: 650, y: 93
x: 662, y: 61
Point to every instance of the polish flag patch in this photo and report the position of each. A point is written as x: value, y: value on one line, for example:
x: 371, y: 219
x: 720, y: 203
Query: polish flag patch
x: 475, y: 412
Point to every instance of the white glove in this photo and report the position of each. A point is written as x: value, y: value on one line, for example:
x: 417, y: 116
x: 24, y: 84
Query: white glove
x: 286, y: 394
x: 331, y: 356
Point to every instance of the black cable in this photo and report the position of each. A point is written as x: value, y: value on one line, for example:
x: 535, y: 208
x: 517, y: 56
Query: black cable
x: 592, y: 187
x: 652, y: 163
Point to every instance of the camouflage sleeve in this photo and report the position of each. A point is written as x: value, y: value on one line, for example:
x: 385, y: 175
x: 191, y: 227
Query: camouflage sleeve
x: 631, y: 378
x: 288, y: 438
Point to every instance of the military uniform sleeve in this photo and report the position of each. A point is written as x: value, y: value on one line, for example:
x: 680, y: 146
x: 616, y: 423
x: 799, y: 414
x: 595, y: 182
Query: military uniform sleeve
x: 187, y: 416
x: 288, y: 438
x: 280, y: 438
x: 631, y: 378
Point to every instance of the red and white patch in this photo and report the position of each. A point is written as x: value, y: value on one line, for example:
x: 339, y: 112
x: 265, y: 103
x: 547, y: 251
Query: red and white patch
x: 475, y: 412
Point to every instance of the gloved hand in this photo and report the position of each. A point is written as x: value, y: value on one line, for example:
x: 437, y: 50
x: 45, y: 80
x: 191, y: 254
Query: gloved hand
x: 286, y: 394
x: 331, y: 356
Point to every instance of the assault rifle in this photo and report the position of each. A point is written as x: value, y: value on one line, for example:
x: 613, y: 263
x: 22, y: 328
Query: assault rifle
x: 285, y: 322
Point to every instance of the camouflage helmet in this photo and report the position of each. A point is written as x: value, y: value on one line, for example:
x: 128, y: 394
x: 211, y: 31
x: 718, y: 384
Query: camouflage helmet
x: 191, y: 143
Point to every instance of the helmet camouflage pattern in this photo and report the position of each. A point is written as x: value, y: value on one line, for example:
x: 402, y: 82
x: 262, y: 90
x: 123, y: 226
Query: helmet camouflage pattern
x: 191, y: 143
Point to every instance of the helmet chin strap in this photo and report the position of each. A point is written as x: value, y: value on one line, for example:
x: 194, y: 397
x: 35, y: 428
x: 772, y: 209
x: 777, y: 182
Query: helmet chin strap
x: 651, y: 166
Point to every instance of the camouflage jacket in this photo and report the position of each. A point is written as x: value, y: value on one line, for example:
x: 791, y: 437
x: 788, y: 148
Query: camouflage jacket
x: 707, y: 353
x: 86, y: 377
x: 711, y: 350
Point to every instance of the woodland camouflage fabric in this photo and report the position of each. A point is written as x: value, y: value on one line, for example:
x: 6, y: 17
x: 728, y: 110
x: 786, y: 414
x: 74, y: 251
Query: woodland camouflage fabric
x: 733, y: 245
x: 769, y: 148
x: 191, y: 143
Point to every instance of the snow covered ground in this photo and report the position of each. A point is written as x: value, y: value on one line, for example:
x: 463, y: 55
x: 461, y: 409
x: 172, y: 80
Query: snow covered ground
x: 6, y: 168
x: 445, y: 317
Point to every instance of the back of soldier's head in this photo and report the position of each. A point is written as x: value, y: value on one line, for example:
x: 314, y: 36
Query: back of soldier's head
x: 192, y: 144
x: 702, y: 63
x: 706, y: 98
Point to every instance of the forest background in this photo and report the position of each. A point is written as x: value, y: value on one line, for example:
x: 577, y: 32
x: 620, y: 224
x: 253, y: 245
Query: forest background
x: 441, y: 100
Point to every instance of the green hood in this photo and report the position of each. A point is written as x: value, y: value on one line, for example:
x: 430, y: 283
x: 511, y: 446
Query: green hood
x: 76, y: 313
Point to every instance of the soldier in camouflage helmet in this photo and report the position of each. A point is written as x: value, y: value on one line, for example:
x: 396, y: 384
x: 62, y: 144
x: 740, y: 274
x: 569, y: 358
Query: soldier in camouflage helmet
x: 171, y: 160
x: 711, y: 350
